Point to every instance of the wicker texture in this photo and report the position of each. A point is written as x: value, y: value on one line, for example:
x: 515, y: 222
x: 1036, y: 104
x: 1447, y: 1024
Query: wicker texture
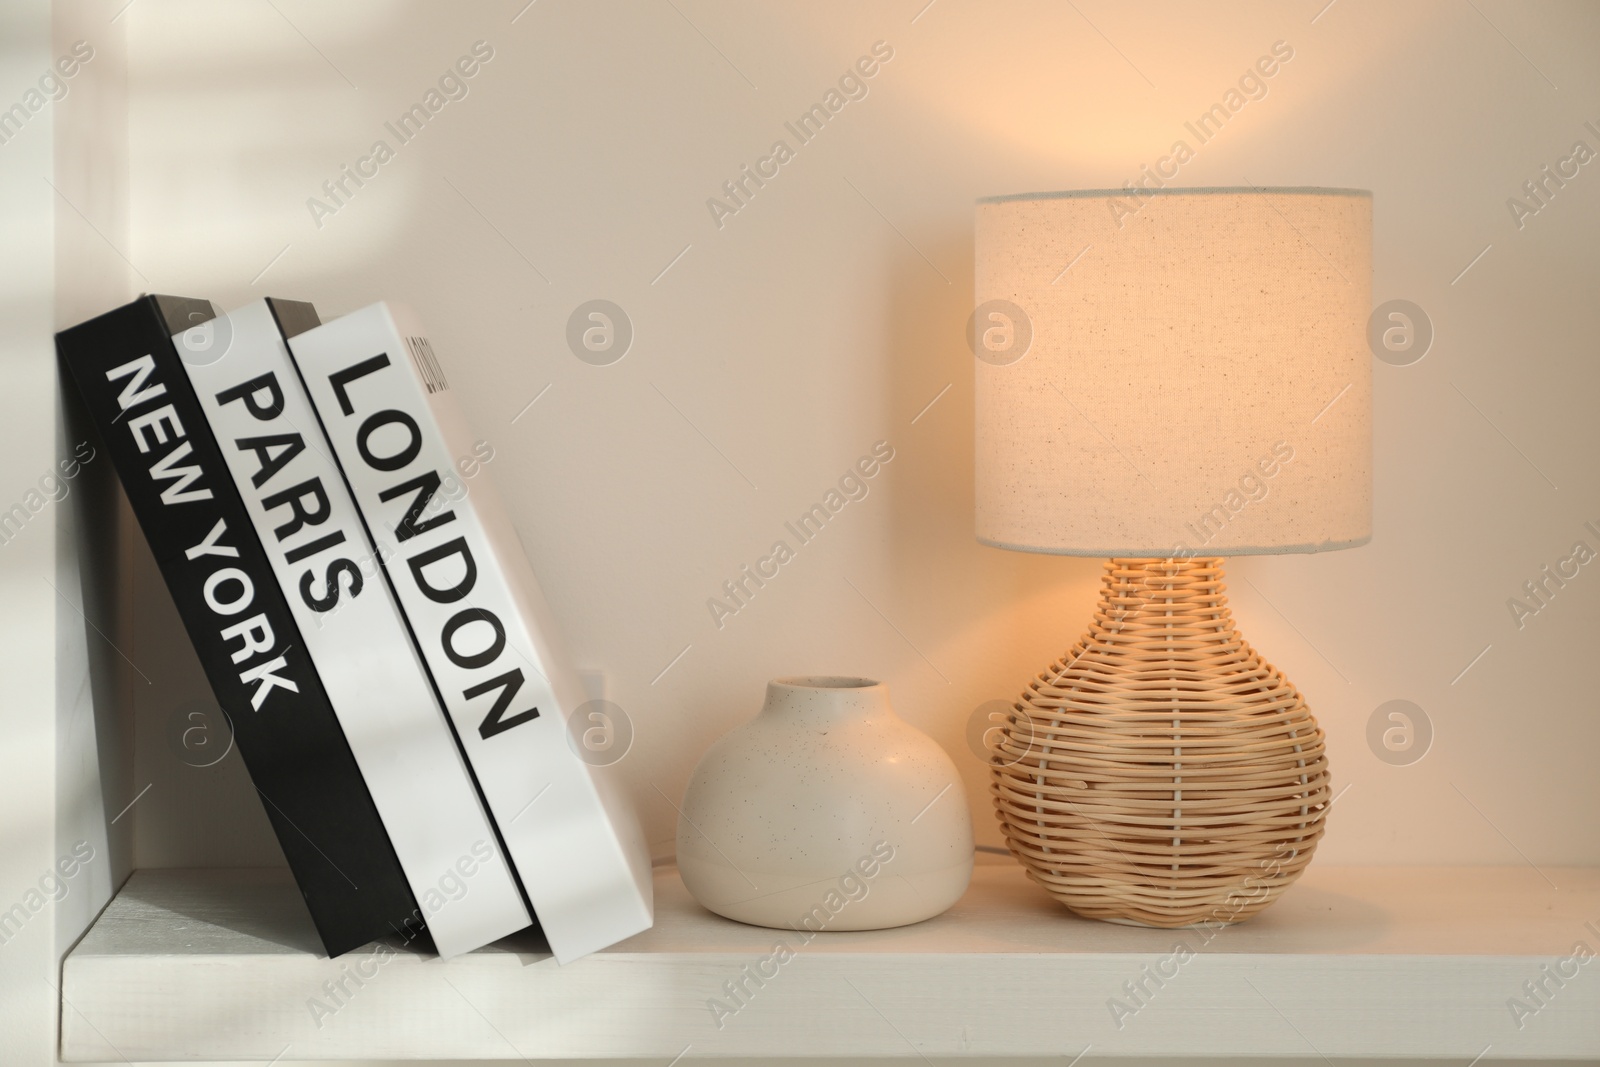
x: 1162, y: 773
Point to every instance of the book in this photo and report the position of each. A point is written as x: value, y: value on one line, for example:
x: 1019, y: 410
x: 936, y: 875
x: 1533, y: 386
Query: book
x: 325, y: 564
x: 480, y: 620
x: 129, y: 373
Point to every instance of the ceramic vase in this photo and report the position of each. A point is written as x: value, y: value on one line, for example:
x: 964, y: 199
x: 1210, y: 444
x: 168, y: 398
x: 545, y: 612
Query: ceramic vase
x: 827, y: 811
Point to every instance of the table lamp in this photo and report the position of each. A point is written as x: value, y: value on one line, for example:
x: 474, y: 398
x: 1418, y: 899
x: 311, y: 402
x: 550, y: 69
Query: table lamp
x: 1162, y: 381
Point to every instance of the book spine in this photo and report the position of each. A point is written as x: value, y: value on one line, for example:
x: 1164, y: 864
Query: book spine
x: 130, y: 375
x: 326, y: 567
x: 469, y: 597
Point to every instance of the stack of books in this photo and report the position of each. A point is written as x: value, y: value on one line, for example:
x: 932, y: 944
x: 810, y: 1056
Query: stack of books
x: 367, y: 619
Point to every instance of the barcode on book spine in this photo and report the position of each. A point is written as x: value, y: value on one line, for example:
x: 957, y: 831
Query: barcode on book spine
x: 427, y: 364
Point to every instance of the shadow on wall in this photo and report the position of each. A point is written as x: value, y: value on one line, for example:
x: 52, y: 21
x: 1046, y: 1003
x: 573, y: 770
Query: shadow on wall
x: 991, y: 624
x: 100, y: 527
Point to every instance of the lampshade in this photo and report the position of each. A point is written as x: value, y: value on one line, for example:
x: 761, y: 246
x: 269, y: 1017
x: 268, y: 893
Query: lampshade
x: 1182, y: 373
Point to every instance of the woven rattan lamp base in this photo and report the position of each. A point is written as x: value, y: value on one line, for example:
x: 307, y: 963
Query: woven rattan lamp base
x: 1162, y: 773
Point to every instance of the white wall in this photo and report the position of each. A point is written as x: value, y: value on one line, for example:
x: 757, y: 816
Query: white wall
x: 28, y: 561
x: 828, y: 312
x: 58, y: 863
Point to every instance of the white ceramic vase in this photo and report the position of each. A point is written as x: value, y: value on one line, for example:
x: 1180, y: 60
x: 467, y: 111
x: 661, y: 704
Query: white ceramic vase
x: 827, y: 811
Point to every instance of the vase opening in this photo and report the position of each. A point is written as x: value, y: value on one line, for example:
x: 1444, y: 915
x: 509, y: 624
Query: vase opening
x: 825, y: 682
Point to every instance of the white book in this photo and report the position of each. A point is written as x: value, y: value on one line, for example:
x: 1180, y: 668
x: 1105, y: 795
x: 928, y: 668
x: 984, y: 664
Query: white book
x: 324, y: 560
x: 482, y: 623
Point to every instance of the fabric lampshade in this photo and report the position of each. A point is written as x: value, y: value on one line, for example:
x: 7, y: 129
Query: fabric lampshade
x: 1181, y: 374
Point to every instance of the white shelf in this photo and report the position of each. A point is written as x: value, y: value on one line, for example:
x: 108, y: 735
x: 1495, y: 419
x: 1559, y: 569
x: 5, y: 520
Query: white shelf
x: 220, y: 964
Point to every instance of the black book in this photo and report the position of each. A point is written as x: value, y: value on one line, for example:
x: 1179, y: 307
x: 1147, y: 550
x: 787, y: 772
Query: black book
x: 130, y: 373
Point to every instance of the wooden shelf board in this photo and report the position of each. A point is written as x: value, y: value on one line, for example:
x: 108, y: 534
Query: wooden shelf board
x: 223, y: 964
